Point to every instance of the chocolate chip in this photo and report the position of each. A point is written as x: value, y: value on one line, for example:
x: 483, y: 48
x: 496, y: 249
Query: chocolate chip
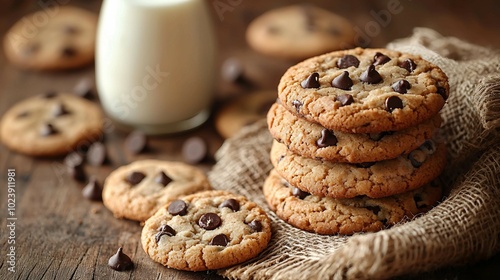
x: 429, y: 147
x: 47, y: 129
x: 408, y: 64
x: 371, y: 76
x: 164, y: 230
x: 347, y: 61
x: 255, y: 225
x: 401, y: 86
x: 136, y: 142
x: 120, y: 261
x: 392, y: 103
x: 30, y: 49
x: 233, y: 71
x: 231, y: 203
x: 209, y: 221
x: 49, y: 95
x: 417, y: 158
x: 273, y: 30
x: 84, y: 88
x: 298, y: 105
x: 419, y: 201
x: 376, y: 136
x: 311, y: 82
x: 70, y: 29
x: 327, y: 139
x: 77, y: 173
x: 299, y: 193
x: 73, y: 159
x: 59, y: 110
x: 442, y: 91
x: 177, y: 207
x: 365, y: 164
x: 374, y: 209
x: 194, y: 150
x: 220, y: 240
x: 92, y: 190
x: 163, y: 179
x: 345, y: 99
x: 342, y: 81
x: 96, y: 154
x: 68, y: 51
x: 135, y: 178
x: 23, y: 115
x: 380, y: 59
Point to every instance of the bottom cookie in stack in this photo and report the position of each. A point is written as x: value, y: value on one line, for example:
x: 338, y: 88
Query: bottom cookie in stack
x: 326, y: 215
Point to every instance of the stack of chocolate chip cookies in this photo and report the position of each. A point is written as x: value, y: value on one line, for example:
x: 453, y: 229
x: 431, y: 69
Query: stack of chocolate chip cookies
x: 355, y: 145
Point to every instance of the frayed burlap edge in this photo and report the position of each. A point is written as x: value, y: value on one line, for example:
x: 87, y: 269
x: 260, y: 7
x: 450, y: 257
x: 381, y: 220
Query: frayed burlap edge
x: 464, y: 228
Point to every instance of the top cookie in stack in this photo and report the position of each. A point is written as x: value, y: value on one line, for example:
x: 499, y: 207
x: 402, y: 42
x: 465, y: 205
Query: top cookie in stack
x: 354, y: 130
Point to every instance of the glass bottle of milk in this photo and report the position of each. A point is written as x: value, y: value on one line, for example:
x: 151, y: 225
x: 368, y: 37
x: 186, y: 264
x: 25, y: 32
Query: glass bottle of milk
x: 155, y: 63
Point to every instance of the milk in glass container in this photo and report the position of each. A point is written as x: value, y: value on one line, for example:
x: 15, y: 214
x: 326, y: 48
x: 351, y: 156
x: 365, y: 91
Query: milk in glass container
x: 155, y: 63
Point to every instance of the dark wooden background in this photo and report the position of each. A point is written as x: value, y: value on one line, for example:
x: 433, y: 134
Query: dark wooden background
x: 61, y: 235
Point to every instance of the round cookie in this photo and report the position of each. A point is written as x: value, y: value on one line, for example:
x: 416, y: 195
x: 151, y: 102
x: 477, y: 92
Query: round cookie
x: 326, y: 215
x: 375, y: 179
x: 314, y: 141
x: 299, y: 31
x: 136, y: 191
x: 364, y: 90
x: 243, y: 110
x: 205, y: 231
x: 51, y: 124
x: 52, y: 39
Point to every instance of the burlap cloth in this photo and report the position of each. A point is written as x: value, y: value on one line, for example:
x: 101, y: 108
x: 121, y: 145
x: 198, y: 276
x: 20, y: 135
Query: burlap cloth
x: 464, y: 228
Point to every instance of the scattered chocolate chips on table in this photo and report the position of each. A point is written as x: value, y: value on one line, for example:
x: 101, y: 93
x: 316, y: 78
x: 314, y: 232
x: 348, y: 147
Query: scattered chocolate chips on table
x: 233, y: 71
x: 77, y: 173
x: 96, y: 154
x: 136, y: 142
x: 120, y: 261
x: 194, y: 150
x: 93, y: 190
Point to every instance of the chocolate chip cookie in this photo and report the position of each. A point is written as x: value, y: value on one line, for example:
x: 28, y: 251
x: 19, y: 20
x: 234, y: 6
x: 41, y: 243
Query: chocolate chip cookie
x: 136, y: 191
x: 326, y: 215
x: 373, y: 179
x: 299, y: 31
x: 52, y: 39
x: 364, y: 90
x: 207, y: 230
x: 51, y: 124
x: 243, y: 110
x: 314, y: 141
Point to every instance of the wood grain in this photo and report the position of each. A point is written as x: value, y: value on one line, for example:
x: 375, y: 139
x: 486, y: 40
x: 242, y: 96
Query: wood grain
x: 60, y: 235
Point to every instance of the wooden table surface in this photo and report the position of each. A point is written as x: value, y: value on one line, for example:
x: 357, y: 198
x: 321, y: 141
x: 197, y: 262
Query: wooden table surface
x: 61, y: 235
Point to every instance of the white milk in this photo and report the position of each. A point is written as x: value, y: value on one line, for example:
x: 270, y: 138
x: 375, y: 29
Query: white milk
x: 155, y: 63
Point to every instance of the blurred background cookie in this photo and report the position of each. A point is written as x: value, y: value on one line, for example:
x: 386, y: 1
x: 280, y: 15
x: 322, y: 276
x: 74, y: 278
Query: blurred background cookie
x: 299, y: 31
x: 243, y: 110
x: 63, y: 39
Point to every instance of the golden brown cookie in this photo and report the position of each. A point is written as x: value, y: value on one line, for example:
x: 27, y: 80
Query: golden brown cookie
x: 299, y: 32
x: 314, y: 141
x: 136, y: 191
x: 326, y: 215
x: 207, y: 230
x: 243, y: 110
x: 374, y: 179
x: 51, y: 124
x: 364, y: 90
x: 62, y: 38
